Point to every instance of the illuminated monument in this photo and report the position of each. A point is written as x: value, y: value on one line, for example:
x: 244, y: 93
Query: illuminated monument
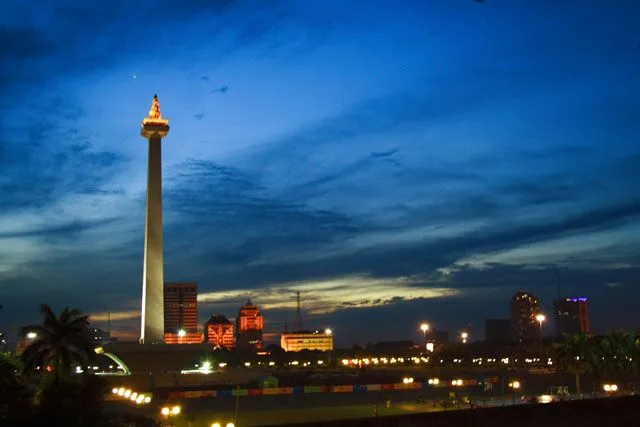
x: 154, y: 128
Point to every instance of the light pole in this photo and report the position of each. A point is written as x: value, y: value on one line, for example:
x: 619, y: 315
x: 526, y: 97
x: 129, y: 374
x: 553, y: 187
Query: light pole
x: 329, y: 332
x: 169, y: 413
x: 515, y: 385
x: 424, y: 327
x: 237, y: 403
x: 541, y: 318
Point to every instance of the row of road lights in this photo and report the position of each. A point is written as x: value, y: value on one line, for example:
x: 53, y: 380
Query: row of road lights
x: 464, y: 336
x: 128, y: 394
x: 169, y: 412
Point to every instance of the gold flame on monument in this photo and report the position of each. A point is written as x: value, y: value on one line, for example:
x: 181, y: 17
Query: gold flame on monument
x: 155, y: 116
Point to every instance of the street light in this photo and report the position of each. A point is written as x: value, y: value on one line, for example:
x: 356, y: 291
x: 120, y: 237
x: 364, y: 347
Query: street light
x: 424, y: 327
x: 169, y: 412
x: 464, y: 336
x: 514, y: 385
x: 541, y: 318
x: 32, y: 335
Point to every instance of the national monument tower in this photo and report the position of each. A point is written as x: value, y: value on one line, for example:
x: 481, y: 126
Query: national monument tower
x: 154, y: 128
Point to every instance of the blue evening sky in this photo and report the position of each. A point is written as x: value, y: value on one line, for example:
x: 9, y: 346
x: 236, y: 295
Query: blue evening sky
x: 395, y: 161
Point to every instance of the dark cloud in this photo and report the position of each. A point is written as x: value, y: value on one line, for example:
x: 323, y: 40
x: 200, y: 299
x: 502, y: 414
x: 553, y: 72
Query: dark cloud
x: 37, y: 172
x: 64, y: 231
x: 217, y: 200
x: 221, y: 89
x: 74, y: 42
x: 388, y: 153
x: 22, y: 43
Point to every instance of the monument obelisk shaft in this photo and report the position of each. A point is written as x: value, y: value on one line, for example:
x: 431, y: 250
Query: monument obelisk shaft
x: 154, y: 128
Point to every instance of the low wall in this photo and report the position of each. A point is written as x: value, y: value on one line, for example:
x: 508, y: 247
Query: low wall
x: 614, y: 411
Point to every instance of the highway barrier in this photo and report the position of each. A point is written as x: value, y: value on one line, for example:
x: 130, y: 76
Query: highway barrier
x: 359, y: 388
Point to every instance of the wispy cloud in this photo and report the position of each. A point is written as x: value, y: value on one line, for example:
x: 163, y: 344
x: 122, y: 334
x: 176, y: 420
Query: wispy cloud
x: 115, y: 316
x: 328, y: 296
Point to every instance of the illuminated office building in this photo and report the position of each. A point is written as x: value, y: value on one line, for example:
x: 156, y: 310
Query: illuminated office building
x: 218, y: 332
x: 249, y: 324
x: 181, y: 313
x: 305, y: 340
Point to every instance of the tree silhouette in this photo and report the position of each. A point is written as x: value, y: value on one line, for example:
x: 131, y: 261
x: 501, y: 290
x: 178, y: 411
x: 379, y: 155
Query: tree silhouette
x: 60, y: 342
x: 575, y: 355
x: 16, y: 396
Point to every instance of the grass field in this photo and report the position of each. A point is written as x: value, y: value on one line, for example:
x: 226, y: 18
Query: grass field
x: 285, y: 416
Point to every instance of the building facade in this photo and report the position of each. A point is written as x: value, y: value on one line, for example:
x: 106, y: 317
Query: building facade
x: 249, y: 324
x: 181, y: 313
x: 218, y: 332
x: 497, y: 330
x: 99, y: 336
x: 524, y: 308
x: 305, y: 340
x: 571, y: 316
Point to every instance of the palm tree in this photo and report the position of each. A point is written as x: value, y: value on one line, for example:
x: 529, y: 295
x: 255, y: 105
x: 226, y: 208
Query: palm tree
x: 574, y: 355
x: 614, y: 356
x: 60, y: 341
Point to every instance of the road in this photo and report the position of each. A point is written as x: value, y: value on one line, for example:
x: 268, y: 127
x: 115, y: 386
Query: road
x: 270, y: 410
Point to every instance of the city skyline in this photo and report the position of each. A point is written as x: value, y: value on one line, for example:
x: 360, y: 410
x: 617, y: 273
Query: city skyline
x: 372, y: 158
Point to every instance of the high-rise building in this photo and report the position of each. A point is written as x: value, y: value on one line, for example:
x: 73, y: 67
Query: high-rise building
x: 249, y: 324
x: 99, y: 336
x: 497, y: 330
x: 571, y: 316
x: 305, y: 340
x: 218, y: 332
x: 524, y: 308
x: 181, y: 313
x: 154, y: 128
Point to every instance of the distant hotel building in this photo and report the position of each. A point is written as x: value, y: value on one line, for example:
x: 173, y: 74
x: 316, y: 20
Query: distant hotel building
x: 218, y: 332
x: 305, y: 340
x: 571, y: 316
x: 99, y: 336
x: 249, y: 324
x: 524, y: 308
x: 181, y: 313
x: 497, y: 330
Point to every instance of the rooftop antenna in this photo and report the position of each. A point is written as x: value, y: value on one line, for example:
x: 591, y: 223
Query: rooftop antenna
x: 298, y: 312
